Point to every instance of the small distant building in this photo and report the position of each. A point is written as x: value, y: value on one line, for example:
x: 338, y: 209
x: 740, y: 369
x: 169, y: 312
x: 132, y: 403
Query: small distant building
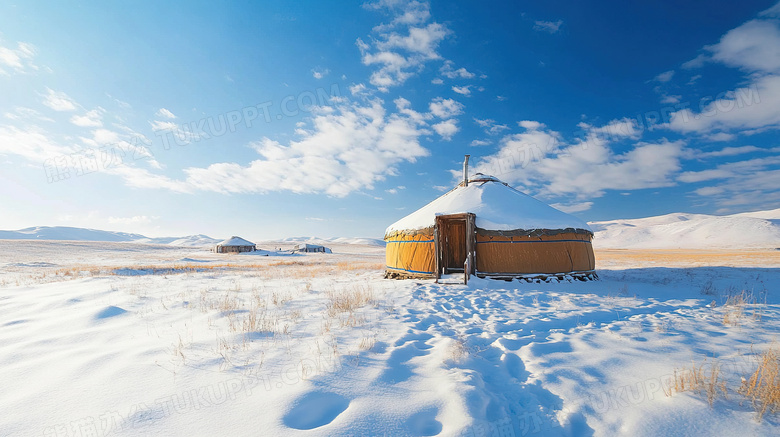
x: 235, y: 245
x: 311, y: 248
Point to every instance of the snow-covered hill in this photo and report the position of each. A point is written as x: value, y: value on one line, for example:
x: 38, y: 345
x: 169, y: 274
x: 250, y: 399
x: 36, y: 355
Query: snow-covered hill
x: 199, y: 240
x: 65, y: 233
x: 759, y: 229
x: 337, y: 240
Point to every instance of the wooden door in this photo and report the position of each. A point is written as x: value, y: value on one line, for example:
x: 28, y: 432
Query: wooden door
x: 455, y: 244
x: 454, y: 239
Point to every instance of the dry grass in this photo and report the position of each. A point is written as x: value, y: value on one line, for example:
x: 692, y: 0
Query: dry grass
x: 708, y: 289
x: 359, y: 265
x: 762, y: 388
x: 367, y: 341
x: 457, y: 350
x: 740, y: 305
x: 696, y: 379
x: 347, y: 301
x: 622, y: 258
x: 306, y: 269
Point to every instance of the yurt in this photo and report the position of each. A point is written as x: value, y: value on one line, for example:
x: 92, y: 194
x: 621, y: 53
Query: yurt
x: 489, y: 229
x: 311, y: 248
x: 235, y: 245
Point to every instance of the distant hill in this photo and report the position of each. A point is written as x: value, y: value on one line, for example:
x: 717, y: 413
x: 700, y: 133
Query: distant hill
x: 759, y: 229
x: 81, y: 234
x: 338, y: 240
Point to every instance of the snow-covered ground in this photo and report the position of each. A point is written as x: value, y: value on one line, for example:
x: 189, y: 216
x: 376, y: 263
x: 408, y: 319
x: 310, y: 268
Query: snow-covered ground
x: 132, y: 339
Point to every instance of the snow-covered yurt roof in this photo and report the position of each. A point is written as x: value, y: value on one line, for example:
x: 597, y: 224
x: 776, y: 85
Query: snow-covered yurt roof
x: 497, y: 206
x: 235, y: 241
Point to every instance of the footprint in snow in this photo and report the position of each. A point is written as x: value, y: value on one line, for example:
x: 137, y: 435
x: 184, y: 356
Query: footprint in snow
x: 397, y: 368
x: 315, y: 409
x: 412, y: 335
x: 424, y: 423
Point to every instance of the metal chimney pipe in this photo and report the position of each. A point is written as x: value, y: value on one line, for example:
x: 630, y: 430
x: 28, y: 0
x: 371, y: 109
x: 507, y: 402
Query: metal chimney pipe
x: 466, y: 171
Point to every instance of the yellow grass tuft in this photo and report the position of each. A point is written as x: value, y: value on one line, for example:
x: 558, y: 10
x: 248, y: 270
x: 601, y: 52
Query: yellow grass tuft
x: 349, y: 300
x: 698, y: 380
x: 762, y: 388
x: 736, y: 307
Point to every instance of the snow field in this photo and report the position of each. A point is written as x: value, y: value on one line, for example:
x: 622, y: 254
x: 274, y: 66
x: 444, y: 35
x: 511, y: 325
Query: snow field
x: 321, y: 345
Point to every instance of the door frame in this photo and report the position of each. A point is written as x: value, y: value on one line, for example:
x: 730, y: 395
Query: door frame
x: 439, y: 241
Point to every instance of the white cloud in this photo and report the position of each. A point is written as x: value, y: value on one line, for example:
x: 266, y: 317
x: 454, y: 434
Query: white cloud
x: 105, y: 136
x: 696, y: 62
x: 491, y: 126
x: 732, y: 151
x: 709, y: 191
x: 18, y: 59
x: 31, y: 143
x: 751, y: 46
x: 164, y: 113
x: 734, y: 185
x: 448, y: 70
x: 142, y: 178
x: 446, y: 129
x: 731, y: 170
x: 573, y: 207
x: 58, y: 101
x: 548, y: 26
x: 752, y: 107
x: 348, y: 148
x: 405, y: 107
x: 91, y: 118
x: 703, y: 175
x: 721, y: 136
x: 158, y: 125
x: 478, y: 143
x: 357, y: 89
x: 614, y: 130
x: 437, y: 81
x: 538, y: 159
x: 445, y: 108
x: 401, y: 47
x: 407, y: 12
x: 319, y: 73
x: 465, y: 90
x: 671, y: 99
x: 773, y: 11
x: 420, y: 41
x: 24, y: 113
x: 666, y: 76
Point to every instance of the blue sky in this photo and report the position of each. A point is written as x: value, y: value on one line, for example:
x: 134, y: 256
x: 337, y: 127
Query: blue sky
x: 272, y: 119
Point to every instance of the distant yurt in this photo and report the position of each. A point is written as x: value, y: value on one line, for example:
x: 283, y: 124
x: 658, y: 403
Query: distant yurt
x: 235, y: 245
x: 502, y: 232
x: 311, y: 248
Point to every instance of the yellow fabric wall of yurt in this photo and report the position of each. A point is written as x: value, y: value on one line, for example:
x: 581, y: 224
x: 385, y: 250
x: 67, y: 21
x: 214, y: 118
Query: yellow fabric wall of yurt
x: 560, y: 253
x: 410, y: 254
